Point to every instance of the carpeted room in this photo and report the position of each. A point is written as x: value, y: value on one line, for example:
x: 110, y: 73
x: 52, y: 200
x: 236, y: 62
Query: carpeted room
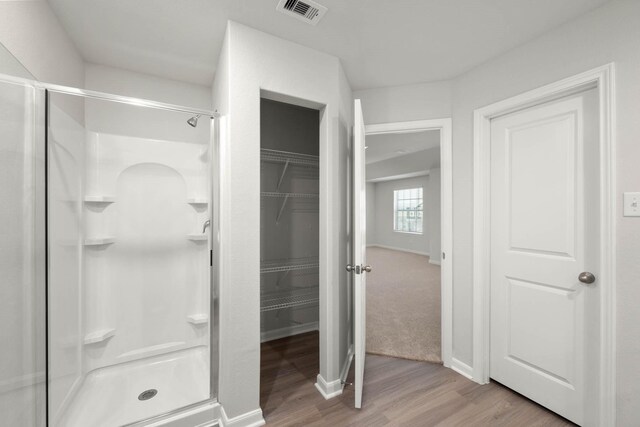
x: 403, y: 246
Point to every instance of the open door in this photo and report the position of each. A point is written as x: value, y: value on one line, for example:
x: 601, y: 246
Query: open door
x: 359, y: 242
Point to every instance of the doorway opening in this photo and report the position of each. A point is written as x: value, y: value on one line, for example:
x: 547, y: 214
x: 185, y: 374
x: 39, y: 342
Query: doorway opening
x: 406, y: 203
x: 403, y: 245
x: 289, y: 249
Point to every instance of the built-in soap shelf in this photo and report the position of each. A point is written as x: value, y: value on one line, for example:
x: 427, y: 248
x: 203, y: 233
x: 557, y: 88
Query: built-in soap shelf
x: 99, y: 200
x: 99, y: 241
x: 198, y: 237
x: 198, y: 201
x: 198, y: 319
x: 99, y: 336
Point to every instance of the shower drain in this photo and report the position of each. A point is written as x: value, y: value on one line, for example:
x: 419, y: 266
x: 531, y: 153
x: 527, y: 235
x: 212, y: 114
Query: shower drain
x: 147, y: 394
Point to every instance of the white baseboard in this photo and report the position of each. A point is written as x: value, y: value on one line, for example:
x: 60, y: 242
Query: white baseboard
x: 248, y: 419
x: 434, y: 262
x: 328, y: 390
x: 462, y: 368
x: 334, y: 388
x: 288, y: 331
x: 394, y: 248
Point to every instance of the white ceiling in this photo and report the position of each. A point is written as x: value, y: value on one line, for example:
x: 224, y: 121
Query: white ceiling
x: 388, y: 146
x: 380, y: 42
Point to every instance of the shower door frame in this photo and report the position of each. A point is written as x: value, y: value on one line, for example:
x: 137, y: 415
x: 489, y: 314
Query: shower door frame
x: 41, y: 112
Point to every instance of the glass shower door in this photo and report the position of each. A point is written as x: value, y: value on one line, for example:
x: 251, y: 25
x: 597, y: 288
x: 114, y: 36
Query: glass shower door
x: 22, y: 258
x: 129, y: 267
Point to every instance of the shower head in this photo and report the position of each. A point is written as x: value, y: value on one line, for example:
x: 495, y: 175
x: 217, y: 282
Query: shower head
x: 193, y: 121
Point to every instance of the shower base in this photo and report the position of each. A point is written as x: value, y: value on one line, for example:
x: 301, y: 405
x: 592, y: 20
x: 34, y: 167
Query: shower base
x: 109, y: 396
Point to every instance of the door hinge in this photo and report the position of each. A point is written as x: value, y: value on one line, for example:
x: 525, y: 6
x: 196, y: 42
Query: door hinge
x: 443, y: 255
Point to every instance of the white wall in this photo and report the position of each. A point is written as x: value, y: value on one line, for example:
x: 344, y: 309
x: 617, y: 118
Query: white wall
x: 405, y: 103
x: 33, y: 34
x: 128, y: 83
x: 251, y: 61
x: 607, y: 34
x: 385, y: 235
x: 10, y: 65
x: 404, y: 166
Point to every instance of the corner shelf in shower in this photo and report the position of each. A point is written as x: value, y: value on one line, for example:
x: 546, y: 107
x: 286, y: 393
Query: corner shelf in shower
x: 289, y: 264
x: 198, y: 237
x: 198, y: 319
x: 289, y: 299
x: 198, y: 201
x: 99, y: 241
x: 99, y: 200
x: 99, y: 336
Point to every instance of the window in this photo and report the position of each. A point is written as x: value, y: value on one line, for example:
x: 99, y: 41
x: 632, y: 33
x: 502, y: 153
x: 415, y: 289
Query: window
x: 407, y: 210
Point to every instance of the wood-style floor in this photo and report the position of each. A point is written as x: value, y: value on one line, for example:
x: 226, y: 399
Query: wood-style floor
x: 397, y: 392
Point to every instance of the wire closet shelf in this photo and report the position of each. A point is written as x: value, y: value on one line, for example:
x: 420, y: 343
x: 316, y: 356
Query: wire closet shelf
x: 289, y: 299
x: 287, y: 157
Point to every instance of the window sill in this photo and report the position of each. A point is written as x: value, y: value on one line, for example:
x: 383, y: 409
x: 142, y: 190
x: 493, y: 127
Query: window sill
x: 409, y: 232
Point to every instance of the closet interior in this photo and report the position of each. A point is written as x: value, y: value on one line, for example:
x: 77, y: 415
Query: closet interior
x: 289, y: 241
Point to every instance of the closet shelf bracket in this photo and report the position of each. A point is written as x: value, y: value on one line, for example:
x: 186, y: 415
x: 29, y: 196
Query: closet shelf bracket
x: 284, y: 203
x: 284, y: 171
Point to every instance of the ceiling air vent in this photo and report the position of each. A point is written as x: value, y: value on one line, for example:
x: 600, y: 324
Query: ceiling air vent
x: 307, y: 11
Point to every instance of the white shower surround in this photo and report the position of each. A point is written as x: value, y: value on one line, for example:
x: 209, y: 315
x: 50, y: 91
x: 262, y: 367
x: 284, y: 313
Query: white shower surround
x: 134, y: 218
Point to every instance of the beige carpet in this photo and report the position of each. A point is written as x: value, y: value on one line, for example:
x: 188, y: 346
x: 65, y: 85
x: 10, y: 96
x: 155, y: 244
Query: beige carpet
x: 403, y: 305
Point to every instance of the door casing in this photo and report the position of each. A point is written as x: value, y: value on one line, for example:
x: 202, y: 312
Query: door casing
x: 602, y: 79
x: 446, y: 185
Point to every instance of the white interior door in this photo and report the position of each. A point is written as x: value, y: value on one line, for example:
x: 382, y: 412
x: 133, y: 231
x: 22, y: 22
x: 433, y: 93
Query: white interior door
x: 544, y: 234
x: 359, y: 237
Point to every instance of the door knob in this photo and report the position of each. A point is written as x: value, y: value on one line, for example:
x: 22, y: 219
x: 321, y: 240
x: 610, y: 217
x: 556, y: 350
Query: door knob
x: 367, y: 268
x: 586, y: 277
x: 350, y: 268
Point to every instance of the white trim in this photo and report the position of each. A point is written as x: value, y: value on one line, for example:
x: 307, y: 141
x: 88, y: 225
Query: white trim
x: 335, y: 388
x: 434, y: 262
x: 401, y: 176
x: 444, y: 126
x: 328, y: 390
x: 405, y: 127
x: 603, y: 79
x: 288, y: 331
x: 249, y: 419
x: 395, y: 248
x: 462, y: 368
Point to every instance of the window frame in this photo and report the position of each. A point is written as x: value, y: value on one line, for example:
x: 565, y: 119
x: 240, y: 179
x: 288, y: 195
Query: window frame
x: 408, y: 218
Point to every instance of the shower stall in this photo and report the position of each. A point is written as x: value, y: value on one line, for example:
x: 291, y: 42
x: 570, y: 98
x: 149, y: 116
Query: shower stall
x: 108, y: 302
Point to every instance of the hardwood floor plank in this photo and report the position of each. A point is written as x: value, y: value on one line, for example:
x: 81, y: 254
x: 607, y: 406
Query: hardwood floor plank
x: 397, y: 392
